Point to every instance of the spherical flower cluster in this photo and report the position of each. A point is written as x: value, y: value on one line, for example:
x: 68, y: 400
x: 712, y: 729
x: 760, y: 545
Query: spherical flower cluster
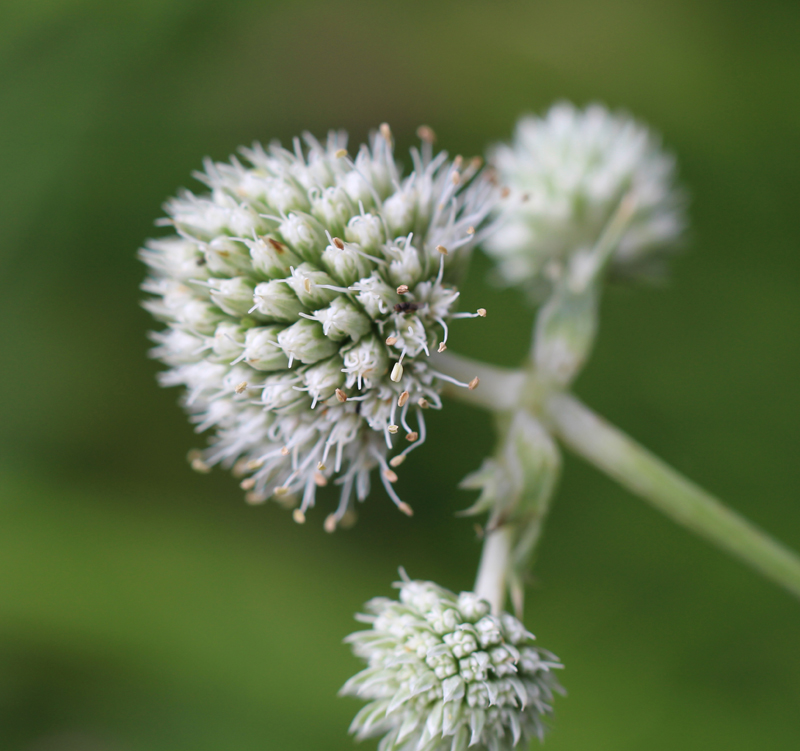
x: 444, y: 674
x: 302, y: 295
x: 566, y: 175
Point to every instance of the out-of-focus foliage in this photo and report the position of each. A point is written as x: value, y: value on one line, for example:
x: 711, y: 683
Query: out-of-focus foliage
x: 143, y: 607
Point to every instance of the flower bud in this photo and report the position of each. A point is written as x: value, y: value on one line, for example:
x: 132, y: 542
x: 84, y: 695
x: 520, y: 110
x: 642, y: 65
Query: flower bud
x: 333, y: 208
x: 234, y: 296
x: 358, y: 189
x: 437, y: 690
x: 346, y: 264
x: 317, y: 173
x: 176, y: 258
x: 305, y: 235
x: 228, y: 341
x: 176, y: 347
x: 199, y: 218
x: 226, y: 257
x: 285, y: 195
x: 306, y: 341
x: 565, y: 176
x: 405, y: 268
x: 399, y: 212
x: 342, y: 319
x: 172, y: 296
x: 376, y: 409
x: 271, y: 257
x: 411, y: 336
x: 281, y: 394
x: 365, y: 361
x: 306, y: 280
x: 201, y: 378
x: 261, y: 349
x: 324, y: 378
x: 241, y: 220
x: 379, y: 174
x: 367, y: 231
x: 376, y: 296
x: 199, y: 316
x: 276, y: 301
x: 240, y: 382
x: 472, y: 606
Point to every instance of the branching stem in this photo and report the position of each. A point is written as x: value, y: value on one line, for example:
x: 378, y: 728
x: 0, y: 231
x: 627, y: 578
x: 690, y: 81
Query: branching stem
x: 622, y: 458
x: 644, y: 474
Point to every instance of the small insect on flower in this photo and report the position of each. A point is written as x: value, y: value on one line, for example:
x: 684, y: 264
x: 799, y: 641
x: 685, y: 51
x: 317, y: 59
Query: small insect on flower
x: 445, y: 674
x: 302, y: 295
x: 564, y: 175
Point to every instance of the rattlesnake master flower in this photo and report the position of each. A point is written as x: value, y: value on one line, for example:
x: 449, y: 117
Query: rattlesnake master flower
x: 444, y: 674
x: 566, y: 174
x: 302, y: 295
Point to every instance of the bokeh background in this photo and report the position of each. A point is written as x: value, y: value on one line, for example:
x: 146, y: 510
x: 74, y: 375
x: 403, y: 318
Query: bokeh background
x: 147, y: 608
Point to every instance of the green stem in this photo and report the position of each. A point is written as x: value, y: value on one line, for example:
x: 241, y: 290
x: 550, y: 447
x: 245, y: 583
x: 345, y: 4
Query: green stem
x: 577, y: 281
x: 632, y: 465
x: 637, y: 469
x: 492, y: 579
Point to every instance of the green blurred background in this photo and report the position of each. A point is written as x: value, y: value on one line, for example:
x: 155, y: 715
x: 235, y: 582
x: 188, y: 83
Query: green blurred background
x: 147, y: 608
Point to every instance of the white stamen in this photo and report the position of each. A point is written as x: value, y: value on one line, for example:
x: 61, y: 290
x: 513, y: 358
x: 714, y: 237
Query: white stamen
x: 449, y: 379
x: 480, y: 314
x: 446, y: 330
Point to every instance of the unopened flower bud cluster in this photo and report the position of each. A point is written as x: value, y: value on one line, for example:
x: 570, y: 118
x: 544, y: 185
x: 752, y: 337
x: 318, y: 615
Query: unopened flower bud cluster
x: 302, y: 295
x: 565, y: 175
x: 444, y: 674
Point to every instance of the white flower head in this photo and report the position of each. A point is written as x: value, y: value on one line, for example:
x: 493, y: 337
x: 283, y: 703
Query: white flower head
x: 302, y: 294
x: 565, y: 176
x: 444, y: 674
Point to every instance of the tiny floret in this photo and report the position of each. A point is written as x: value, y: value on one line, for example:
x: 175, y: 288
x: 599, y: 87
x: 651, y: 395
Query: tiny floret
x: 302, y: 294
x: 445, y: 674
x: 564, y: 176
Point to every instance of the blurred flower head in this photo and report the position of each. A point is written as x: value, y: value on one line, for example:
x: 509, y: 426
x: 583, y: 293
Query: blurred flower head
x: 565, y: 176
x: 302, y: 295
x: 444, y: 674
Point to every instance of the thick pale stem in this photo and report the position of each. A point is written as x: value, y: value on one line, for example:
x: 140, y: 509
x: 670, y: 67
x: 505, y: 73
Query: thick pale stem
x: 637, y: 469
x: 492, y: 579
x: 592, y: 265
